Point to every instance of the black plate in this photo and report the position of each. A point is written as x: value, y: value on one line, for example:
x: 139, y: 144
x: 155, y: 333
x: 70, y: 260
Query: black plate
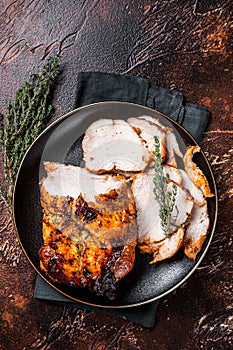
x: 61, y: 142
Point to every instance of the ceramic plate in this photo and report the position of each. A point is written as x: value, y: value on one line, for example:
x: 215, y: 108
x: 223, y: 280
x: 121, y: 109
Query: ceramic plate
x: 61, y: 142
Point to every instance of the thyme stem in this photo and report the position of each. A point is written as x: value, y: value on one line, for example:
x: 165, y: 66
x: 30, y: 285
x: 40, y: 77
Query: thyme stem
x: 25, y: 119
x: 164, y: 197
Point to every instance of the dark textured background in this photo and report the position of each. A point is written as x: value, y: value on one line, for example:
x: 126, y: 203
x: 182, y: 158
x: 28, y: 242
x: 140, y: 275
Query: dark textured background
x: 184, y: 45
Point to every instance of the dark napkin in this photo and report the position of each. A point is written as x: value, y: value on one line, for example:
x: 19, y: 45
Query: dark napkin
x: 98, y: 87
x: 143, y: 315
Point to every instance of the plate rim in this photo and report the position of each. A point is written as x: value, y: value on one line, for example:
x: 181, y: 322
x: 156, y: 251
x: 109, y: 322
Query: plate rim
x: 210, y: 234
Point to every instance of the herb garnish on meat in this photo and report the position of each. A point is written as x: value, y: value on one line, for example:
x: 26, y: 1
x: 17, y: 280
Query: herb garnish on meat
x: 165, y: 198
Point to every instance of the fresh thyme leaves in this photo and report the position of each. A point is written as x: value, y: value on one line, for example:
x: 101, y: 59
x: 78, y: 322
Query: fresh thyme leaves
x: 164, y: 196
x: 166, y: 211
x: 160, y: 183
x: 25, y: 119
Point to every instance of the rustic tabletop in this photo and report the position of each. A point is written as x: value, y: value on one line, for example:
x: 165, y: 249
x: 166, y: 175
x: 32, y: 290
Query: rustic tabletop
x: 181, y: 45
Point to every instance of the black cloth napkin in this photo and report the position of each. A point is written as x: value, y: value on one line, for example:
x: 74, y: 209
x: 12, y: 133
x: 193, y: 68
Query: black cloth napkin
x: 143, y: 315
x: 98, y: 87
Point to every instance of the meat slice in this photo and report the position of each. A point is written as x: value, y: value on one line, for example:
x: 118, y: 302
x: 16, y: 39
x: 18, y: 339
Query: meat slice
x: 194, y: 172
x: 198, y: 223
x: 89, y: 228
x: 152, y: 120
x: 113, y: 146
x: 148, y: 218
x: 147, y: 130
x: 194, y: 191
x: 173, y: 148
x: 68, y: 180
x: 166, y: 248
x: 197, y: 230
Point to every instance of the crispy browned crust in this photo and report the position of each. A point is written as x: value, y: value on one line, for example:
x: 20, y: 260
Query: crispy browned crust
x: 192, y: 250
x: 195, y: 173
x: 89, y: 244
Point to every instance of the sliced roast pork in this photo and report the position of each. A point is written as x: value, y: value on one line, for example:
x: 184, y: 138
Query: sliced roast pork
x: 197, y: 229
x: 194, y: 190
x: 89, y: 228
x: 195, y: 173
x: 172, y: 146
x: 113, y: 146
x: 166, y: 248
x: 152, y: 120
x: 173, y: 149
x: 150, y: 228
x: 147, y: 130
x: 198, y: 223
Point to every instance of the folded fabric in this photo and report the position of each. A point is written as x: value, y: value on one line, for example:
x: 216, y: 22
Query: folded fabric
x: 98, y: 87
x: 143, y: 315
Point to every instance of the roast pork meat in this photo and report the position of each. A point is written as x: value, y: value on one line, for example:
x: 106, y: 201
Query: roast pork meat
x: 89, y: 228
x: 147, y: 130
x: 150, y: 228
x: 198, y: 223
x: 114, y: 146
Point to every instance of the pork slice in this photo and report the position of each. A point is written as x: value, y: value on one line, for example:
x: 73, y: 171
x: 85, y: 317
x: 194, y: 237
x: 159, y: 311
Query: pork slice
x: 197, y: 230
x: 68, y: 180
x: 113, y: 146
x: 168, y: 247
x: 152, y: 120
x: 195, y: 173
x: 148, y: 218
x: 147, y: 131
x: 198, y: 223
x: 194, y: 191
x: 173, y: 148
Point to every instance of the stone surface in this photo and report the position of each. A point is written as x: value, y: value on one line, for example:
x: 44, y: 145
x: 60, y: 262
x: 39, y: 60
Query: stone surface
x: 184, y: 45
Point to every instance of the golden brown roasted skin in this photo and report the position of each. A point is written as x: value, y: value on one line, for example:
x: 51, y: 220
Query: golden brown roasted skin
x: 195, y: 173
x: 89, y: 244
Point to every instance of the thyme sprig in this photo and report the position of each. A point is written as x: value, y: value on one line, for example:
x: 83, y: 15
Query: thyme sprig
x: 25, y: 119
x: 164, y: 197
